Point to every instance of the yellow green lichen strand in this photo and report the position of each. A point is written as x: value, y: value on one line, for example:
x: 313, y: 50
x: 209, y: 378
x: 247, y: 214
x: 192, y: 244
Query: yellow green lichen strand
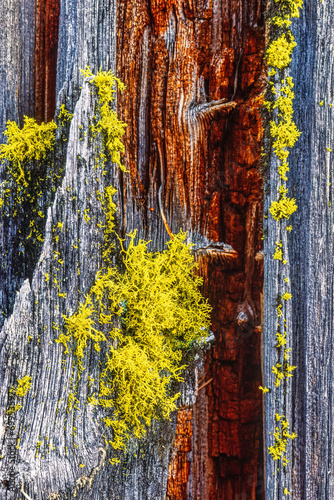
x: 23, y: 386
x: 279, y: 51
x: 109, y: 124
x: 64, y: 115
x: 281, y: 435
x: 290, y: 7
x: 284, y: 135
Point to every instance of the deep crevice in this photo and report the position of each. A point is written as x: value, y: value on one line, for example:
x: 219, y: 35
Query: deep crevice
x: 45, y: 58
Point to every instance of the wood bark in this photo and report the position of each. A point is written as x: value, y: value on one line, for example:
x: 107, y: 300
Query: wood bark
x: 191, y: 56
x: 194, y: 74
x: 308, y: 398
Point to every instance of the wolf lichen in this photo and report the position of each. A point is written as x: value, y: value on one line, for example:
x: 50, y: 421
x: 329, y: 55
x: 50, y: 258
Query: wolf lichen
x: 23, y: 387
x: 32, y: 142
x: 285, y: 134
x: 281, y: 436
x: 64, y: 115
x: 109, y: 124
x: 109, y: 229
x: 162, y: 313
x: 280, y: 50
x: 283, y: 208
x: 144, y: 314
x: 278, y: 255
x: 80, y: 327
x: 290, y: 7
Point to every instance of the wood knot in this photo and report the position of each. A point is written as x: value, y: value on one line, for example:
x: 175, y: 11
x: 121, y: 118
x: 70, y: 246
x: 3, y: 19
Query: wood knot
x: 245, y: 320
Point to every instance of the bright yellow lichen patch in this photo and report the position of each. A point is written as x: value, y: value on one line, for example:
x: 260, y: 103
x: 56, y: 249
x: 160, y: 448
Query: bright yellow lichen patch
x: 162, y: 314
x: 110, y: 210
x: 32, y: 142
x: 283, y: 208
x: 109, y: 123
x: 280, y: 50
x: 64, y: 115
x: 284, y: 134
x: 278, y: 255
x: 281, y: 436
x: 146, y: 314
x: 80, y: 328
x: 290, y: 7
x: 23, y: 387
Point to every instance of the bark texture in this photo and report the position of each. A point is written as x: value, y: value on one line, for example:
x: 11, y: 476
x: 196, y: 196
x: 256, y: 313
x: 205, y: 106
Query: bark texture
x: 193, y: 75
x: 193, y: 72
x: 307, y: 399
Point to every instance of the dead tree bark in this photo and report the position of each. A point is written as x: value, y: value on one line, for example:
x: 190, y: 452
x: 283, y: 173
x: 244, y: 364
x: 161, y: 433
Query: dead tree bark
x: 194, y: 76
x: 308, y: 398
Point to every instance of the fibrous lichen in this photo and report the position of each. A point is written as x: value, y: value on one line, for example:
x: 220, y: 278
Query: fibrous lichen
x: 162, y: 313
x: 109, y: 124
x: 32, y: 142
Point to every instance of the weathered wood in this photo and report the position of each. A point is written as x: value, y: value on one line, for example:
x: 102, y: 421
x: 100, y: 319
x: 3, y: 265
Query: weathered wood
x: 308, y: 397
x: 16, y: 60
x: 194, y: 74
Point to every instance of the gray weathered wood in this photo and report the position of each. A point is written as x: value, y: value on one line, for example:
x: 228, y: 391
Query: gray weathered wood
x: 308, y: 397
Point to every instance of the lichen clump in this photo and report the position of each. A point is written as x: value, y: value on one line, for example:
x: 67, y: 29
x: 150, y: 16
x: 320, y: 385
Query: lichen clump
x: 290, y: 7
x: 32, y: 142
x: 64, y: 115
x: 283, y: 208
x: 281, y: 436
x: 30, y: 177
x: 280, y: 50
x: 162, y: 313
x: 23, y: 387
x: 144, y: 315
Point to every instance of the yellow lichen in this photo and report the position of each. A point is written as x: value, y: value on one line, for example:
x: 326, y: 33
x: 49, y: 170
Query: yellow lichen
x: 23, y: 387
x: 280, y: 50
x: 64, y: 115
x: 281, y: 436
x: 281, y: 21
x: 278, y: 255
x: 80, y: 328
x: 286, y: 135
x: 291, y: 7
x: 109, y: 123
x: 283, y: 208
x: 32, y: 142
x: 162, y: 314
x: 281, y: 339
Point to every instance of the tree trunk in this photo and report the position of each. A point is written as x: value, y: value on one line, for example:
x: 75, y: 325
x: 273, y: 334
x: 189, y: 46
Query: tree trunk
x: 194, y: 76
x: 307, y: 398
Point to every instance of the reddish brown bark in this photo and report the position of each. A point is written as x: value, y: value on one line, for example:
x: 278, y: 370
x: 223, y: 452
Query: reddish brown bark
x: 176, y: 57
x: 45, y: 64
x: 179, y: 467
